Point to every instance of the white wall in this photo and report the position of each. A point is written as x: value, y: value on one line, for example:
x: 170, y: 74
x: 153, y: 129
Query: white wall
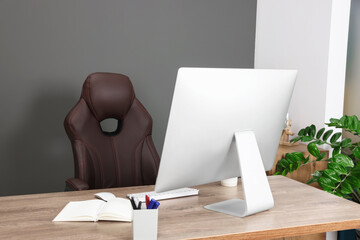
x: 352, y: 87
x: 310, y: 36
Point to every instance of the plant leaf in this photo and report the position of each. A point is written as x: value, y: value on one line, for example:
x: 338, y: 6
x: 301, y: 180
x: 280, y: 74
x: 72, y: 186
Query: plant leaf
x: 349, y: 122
x: 290, y: 158
x: 317, y: 174
x: 327, y: 134
x: 291, y: 169
x: 346, y: 143
x: 334, y: 120
x: 337, y: 168
x: 306, y: 138
x: 337, y: 194
x: 296, y: 139
x: 356, y: 123
x: 315, y: 177
x: 356, y: 152
x: 299, y: 156
x: 312, y: 130
x: 311, y: 180
x: 343, y: 121
x: 313, y: 149
x: 326, y: 183
x: 336, y: 151
x: 320, y: 132
x: 301, y: 132
x: 335, y: 137
x: 353, y: 181
x: 346, y: 188
x: 332, y: 175
x: 284, y: 163
x: 322, y: 155
x: 343, y: 160
x: 355, y: 171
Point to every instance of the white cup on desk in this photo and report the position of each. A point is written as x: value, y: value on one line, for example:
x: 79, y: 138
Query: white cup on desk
x: 230, y: 182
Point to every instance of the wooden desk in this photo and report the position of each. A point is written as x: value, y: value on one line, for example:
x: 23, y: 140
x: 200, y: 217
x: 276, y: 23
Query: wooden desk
x: 299, y: 209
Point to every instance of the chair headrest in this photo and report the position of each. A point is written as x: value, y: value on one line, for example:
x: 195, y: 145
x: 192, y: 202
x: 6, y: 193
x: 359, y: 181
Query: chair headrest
x: 108, y: 95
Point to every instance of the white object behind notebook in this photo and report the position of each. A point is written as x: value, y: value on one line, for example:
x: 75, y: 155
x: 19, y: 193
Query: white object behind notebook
x: 106, y: 196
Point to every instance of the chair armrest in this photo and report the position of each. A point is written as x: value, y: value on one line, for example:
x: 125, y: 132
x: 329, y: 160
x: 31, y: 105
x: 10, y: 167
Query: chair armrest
x: 75, y: 184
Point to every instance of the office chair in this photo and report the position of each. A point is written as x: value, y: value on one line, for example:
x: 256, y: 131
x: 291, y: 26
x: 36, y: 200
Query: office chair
x: 124, y: 157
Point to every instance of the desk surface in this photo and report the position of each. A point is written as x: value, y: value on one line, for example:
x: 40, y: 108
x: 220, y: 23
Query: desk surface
x: 299, y: 209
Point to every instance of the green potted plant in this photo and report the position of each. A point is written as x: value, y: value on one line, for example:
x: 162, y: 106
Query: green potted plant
x: 342, y: 176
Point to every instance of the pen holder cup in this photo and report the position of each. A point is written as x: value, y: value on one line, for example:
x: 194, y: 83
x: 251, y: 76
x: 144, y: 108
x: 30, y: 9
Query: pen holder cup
x: 145, y: 224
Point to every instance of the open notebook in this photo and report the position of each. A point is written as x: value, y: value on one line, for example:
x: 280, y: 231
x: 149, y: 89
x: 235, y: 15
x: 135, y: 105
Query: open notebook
x: 116, y: 209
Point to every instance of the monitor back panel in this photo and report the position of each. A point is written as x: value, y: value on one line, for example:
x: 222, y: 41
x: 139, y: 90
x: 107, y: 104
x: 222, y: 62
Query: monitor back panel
x: 209, y: 105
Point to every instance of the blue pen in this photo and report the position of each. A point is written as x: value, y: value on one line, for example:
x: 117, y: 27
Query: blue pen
x: 156, y: 205
x: 151, y: 204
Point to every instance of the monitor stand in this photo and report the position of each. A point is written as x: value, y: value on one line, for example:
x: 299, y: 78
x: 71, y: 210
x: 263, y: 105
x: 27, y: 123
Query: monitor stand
x: 256, y: 188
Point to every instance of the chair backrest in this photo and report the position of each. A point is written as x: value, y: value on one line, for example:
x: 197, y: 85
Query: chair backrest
x: 125, y: 157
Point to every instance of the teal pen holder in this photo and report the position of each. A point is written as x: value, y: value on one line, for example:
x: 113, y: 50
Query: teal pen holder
x: 145, y: 224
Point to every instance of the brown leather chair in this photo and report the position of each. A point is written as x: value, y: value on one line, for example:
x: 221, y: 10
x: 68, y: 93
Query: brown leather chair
x: 125, y: 157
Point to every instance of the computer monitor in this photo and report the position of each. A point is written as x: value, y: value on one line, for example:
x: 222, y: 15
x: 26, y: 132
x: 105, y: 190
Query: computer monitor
x: 226, y: 123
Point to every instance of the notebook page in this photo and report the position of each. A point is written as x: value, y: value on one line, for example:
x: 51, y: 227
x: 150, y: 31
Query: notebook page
x: 117, y: 209
x: 80, y: 211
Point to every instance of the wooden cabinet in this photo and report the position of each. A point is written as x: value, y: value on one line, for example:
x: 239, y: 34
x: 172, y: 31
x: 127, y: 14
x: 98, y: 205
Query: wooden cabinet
x: 303, y: 174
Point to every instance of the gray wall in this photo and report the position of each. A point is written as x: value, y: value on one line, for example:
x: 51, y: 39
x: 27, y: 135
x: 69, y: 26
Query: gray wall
x: 48, y: 47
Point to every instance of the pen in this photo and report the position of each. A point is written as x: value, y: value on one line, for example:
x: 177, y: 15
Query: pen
x: 147, y: 200
x: 139, y: 206
x: 136, y: 201
x: 151, y: 204
x: 132, y: 203
x: 156, y: 205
